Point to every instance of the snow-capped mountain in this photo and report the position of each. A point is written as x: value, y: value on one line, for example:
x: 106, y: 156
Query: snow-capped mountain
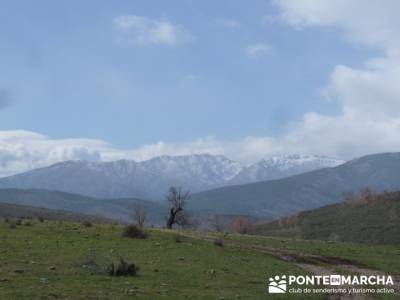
x: 151, y: 179
x: 124, y: 178
x: 282, y: 166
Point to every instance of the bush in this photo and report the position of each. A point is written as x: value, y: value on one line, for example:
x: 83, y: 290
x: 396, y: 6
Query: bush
x: 18, y: 222
x: 219, y: 242
x: 40, y: 219
x: 242, y: 225
x: 122, y: 269
x: 27, y: 223
x: 6, y: 220
x: 12, y: 225
x: 178, y: 238
x: 133, y: 231
x: 87, y: 224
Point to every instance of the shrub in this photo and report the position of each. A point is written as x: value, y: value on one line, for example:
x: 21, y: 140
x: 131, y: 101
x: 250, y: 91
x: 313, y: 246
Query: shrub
x: 27, y: 223
x: 18, y: 222
x: 12, y: 225
x: 178, y: 238
x: 242, y: 225
x: 133, y: 231
x: 40, y: 219
x: 87, y: 224
x: 6, y: 220
x: 219, y: 242
x: 122, y: 269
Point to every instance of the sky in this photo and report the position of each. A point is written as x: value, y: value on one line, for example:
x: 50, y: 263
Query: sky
x: 133, y: 79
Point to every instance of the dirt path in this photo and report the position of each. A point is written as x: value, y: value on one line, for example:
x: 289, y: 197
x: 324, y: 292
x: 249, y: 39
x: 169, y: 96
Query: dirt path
x: 318, y: 265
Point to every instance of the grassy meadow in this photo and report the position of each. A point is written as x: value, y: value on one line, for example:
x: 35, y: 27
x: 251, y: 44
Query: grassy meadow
x: 67, y: 260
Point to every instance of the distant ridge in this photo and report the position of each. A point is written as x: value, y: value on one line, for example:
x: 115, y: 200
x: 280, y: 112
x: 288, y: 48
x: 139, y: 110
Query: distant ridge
x: 151, y: 179
x: 278, y: 198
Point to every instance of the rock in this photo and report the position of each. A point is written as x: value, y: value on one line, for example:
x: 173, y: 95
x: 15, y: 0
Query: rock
x: 52, y: 268
x: 19, y: 271
x: 44, y: 280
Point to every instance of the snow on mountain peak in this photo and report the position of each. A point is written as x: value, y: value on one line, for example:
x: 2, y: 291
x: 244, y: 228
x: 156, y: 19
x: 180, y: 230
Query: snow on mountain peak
x: 150, y: 179
x: 281, y: 166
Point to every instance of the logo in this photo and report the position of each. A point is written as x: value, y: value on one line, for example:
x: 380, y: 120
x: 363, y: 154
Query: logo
x: 335, y: 283
x: 277, y: 285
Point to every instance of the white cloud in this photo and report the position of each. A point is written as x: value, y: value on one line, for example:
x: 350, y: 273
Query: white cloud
x: 230, y: 23
x: 140, y: 30
x: 368, y: 97
x: 258, y: 49
x: 375, y: 23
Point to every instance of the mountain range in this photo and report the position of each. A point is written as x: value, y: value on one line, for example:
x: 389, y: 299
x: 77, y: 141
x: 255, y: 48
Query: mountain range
x: 265, y: 199
x: 278, y: 198
x: 151, y: 179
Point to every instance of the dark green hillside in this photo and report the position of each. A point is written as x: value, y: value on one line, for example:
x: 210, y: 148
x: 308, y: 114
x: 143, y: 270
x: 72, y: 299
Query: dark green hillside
x: 372, y: 219
x: 118, y: 209
x: 15, y: 211
x: 279, y: 198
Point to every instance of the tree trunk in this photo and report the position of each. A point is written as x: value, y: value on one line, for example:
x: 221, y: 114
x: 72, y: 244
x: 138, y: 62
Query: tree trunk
x: 171, y: 219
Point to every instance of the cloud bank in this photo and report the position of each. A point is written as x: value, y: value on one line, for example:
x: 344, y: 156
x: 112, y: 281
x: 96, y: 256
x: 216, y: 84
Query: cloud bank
x: 369, y: 97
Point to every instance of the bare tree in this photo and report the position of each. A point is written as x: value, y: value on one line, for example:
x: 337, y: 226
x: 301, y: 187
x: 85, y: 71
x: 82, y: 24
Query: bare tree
x: 139, y: 215
x: 177, y: 199
x: 242, y: 225
x: 218, y: 223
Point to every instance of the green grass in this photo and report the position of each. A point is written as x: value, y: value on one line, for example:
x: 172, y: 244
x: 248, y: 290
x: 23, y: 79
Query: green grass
x: 384, y: 258
x: 192, y: 269
x: 49, y: 261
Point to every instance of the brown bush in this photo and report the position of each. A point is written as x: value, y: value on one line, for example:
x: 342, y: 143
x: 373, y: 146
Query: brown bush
x: 219, y: 242
x: 242, y: 225
x: 87, y: 224
x: 178, y: 238
x: 133, y: 231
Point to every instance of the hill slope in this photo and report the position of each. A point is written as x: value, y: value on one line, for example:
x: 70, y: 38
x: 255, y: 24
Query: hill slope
x: 16, y: 211
x: 371, y: 219
x: 118, y: 209
x: 278, y: 198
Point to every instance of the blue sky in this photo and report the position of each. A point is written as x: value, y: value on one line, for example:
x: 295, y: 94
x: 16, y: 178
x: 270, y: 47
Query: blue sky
x: 225, y: 71
x: 69, y: 76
